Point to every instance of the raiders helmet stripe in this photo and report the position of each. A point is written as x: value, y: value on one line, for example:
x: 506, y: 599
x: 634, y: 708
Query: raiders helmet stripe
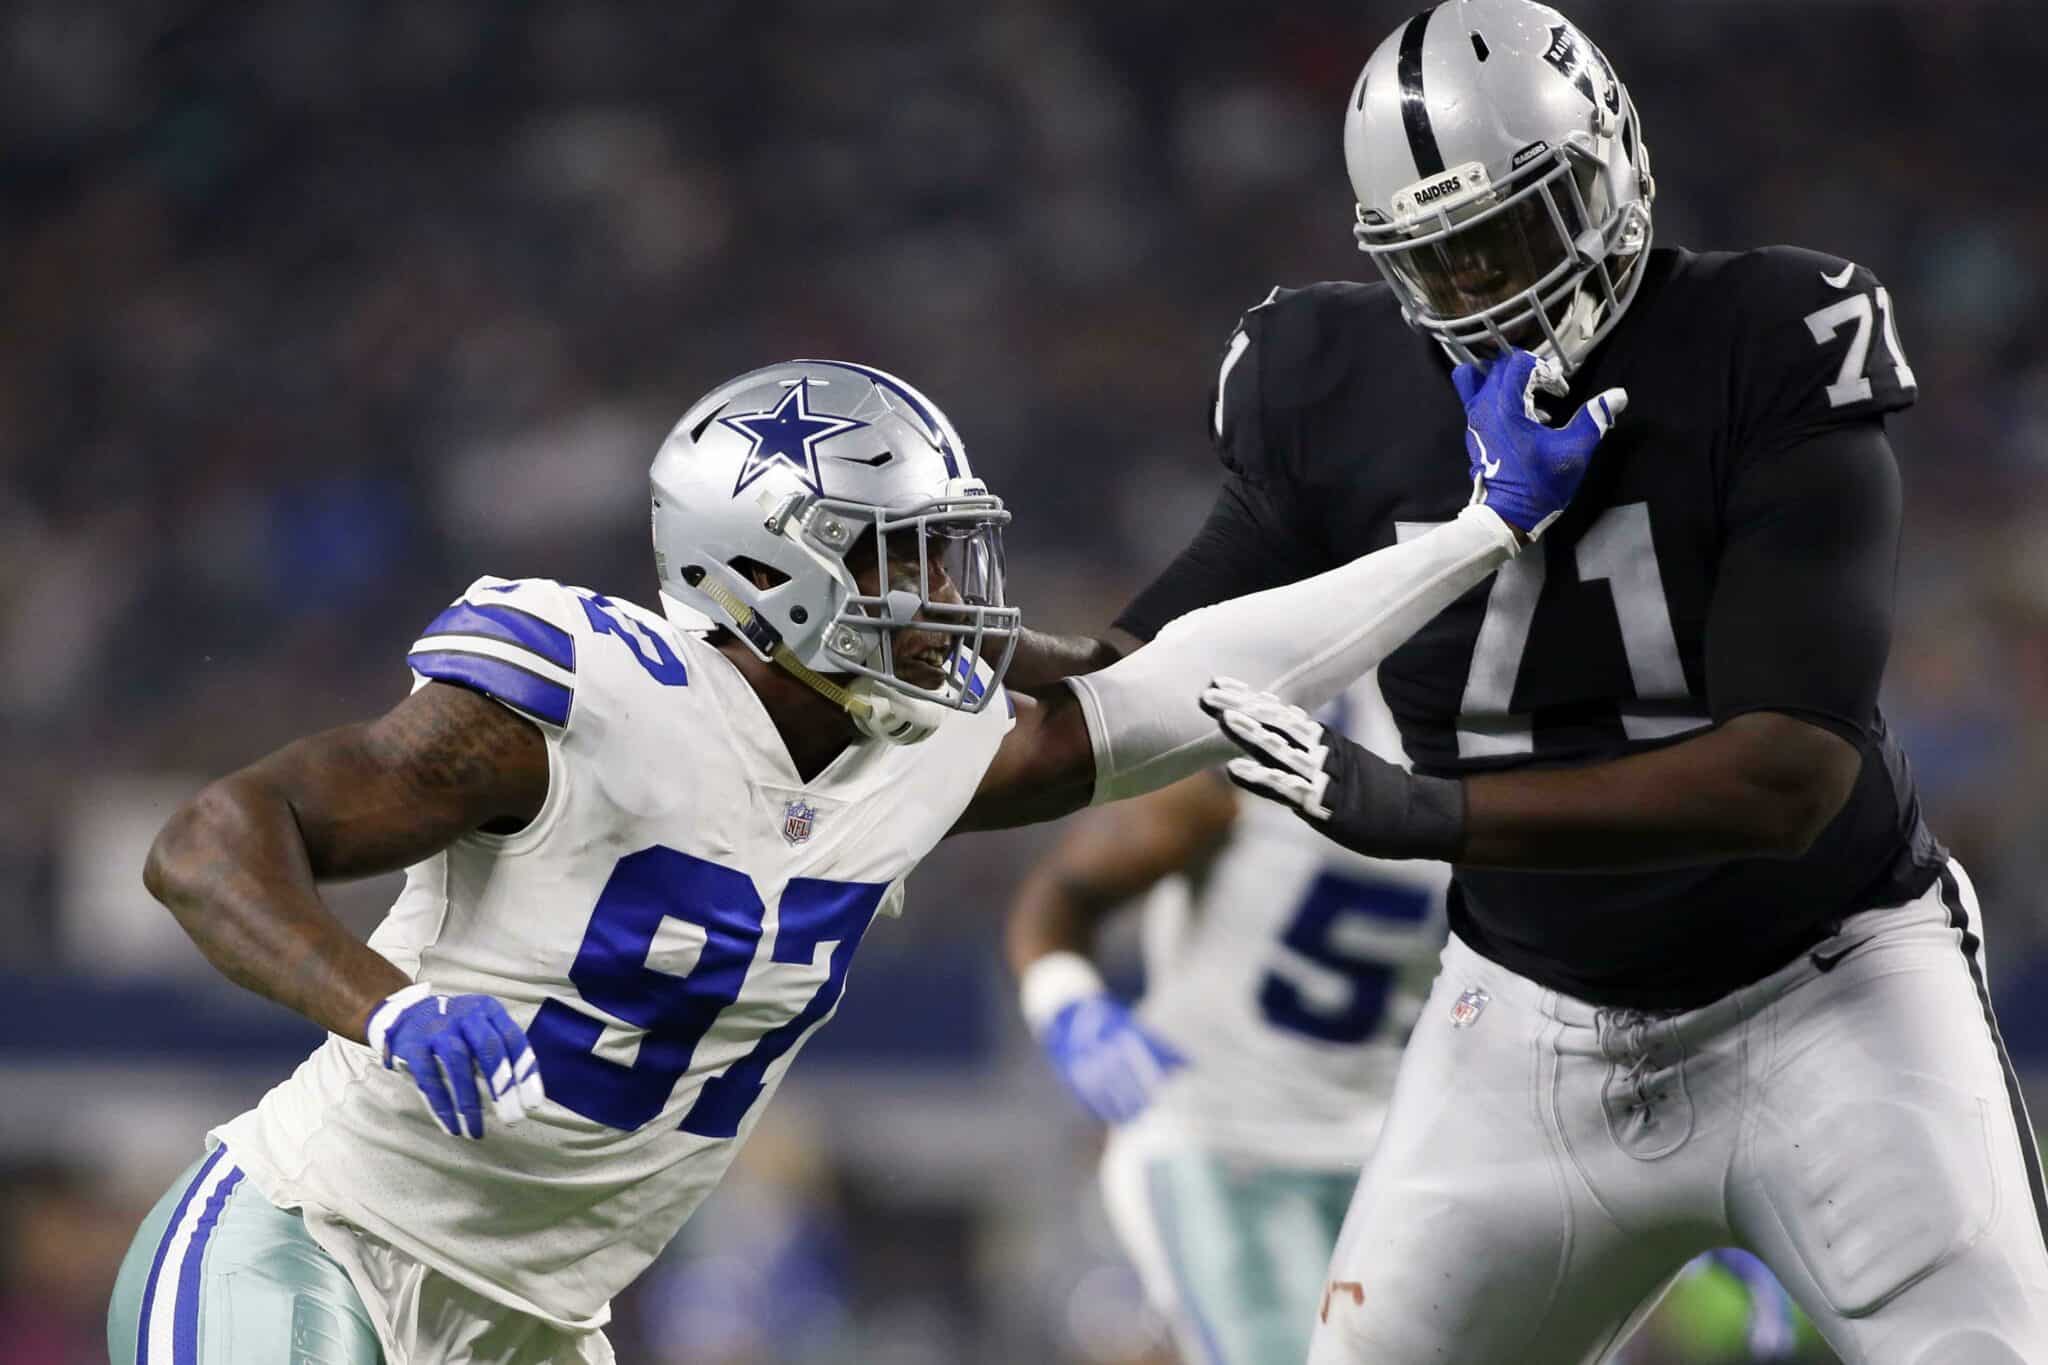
x: 1414, y: 109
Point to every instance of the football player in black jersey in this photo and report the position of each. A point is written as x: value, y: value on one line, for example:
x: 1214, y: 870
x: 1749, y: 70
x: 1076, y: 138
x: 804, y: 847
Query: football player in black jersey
x: 1712, y: 980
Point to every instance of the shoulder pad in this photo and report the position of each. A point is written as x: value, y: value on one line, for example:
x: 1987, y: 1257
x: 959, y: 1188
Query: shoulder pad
x: 1287, y: 354
x: 1819, y: 345
x: 1315, y: 336
x: 514, y: 640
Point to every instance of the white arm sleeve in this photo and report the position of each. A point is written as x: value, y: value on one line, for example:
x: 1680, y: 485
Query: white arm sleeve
x: 1304, y: 643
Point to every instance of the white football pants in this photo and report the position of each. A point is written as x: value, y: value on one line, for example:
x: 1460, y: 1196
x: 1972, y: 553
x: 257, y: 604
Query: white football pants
x: 1852, y: 1119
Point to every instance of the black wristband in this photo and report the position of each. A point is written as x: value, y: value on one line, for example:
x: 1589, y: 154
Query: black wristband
x: 1385, y: 811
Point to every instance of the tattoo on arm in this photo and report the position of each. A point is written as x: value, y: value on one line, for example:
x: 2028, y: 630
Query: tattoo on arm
x: 238, y: 863
x: 382, y: 796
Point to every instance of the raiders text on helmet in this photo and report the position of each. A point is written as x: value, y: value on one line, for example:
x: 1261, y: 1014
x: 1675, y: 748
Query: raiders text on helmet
x: 1503, y: 186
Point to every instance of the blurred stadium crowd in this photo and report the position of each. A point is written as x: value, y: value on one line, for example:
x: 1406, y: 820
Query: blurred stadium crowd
x: 312, y: 311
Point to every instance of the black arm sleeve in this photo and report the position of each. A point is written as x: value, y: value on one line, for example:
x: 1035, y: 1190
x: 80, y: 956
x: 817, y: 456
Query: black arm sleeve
x: 1248, y: 544
x: 1801, y: 616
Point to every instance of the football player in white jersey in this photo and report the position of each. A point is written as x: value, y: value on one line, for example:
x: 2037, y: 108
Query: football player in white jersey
x: 640, y: 852
x: 1282, y: 973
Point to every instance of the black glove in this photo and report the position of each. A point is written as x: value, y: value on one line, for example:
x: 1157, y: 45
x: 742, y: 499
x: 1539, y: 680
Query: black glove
x: 1344, y: 791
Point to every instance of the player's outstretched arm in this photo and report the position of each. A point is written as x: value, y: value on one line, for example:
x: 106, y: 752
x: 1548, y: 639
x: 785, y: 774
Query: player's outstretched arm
x: 1110, y: 1061
x: 1042, y: 660
x: 239, y: 862
x: 1797, y: 634
x: 1137, y: 726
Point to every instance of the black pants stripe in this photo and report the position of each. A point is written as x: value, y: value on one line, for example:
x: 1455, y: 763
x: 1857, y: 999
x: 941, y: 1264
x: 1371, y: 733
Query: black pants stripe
x: 2030, y: 1150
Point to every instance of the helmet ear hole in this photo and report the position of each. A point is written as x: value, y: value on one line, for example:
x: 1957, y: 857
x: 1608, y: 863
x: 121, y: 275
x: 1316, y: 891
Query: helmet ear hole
x: 763, y: 576
x: 1479, y: 48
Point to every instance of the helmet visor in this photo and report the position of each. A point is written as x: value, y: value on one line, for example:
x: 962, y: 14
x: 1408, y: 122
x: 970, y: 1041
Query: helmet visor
x: 936, y: 623
x: 1500, y: 252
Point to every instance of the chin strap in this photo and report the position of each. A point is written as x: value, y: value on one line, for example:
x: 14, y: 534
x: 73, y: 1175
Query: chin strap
x: 877, y: 712
x: 889, y: 716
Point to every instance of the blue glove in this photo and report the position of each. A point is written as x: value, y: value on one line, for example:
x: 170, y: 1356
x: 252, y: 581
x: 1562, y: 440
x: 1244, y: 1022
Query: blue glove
x: 1107, y: 1058
x: 446, y: 1042
x: 1773, y: 1318
x: 1523, y: 468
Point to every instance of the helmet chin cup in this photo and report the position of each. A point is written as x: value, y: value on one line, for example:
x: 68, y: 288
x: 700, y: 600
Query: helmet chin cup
x: 893, y: 717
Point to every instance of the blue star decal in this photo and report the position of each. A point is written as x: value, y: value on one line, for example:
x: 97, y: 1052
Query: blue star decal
x: 789, y: 432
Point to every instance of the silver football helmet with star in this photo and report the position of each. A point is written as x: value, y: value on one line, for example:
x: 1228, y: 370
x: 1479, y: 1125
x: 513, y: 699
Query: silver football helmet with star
x: 1503, y: 187
x: 773, y: 480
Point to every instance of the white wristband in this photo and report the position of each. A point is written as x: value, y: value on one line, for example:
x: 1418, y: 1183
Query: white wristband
x: 1054, y: 982
x: 378, y: 1030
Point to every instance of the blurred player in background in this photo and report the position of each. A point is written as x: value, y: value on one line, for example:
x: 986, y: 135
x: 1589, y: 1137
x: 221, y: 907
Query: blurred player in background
x: 640, y: 856
x: 1711, y: 977
x: 1248, y: 1086
x: 1282, y: 974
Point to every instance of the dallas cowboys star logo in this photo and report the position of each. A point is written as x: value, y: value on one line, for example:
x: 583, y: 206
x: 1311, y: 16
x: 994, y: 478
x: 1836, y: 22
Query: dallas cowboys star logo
x: 787, y: 433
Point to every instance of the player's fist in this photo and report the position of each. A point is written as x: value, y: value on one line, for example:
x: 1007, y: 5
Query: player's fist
x: 446, y: 1042
x: 1344, y: 790
x: 1112, y: 1063
x: 1522, y: 467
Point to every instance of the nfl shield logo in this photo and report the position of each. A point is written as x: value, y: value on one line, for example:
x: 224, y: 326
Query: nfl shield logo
x: 797, y: 819
x: 1466, y: 1011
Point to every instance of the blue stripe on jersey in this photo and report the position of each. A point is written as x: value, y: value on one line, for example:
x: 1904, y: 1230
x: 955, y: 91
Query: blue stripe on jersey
x: 957, y: 670
x: 956, y: 461
x: 185, y: 1317
x: 499, y: 621
x: 518, y: 688
x: 156, y: 1266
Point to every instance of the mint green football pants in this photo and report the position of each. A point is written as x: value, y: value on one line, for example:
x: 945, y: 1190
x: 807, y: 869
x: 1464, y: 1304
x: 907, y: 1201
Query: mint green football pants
x: 218, y: 1275
x: 1233, y: 1252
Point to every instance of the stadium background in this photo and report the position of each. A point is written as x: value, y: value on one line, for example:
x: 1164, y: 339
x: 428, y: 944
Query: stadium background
x: 312, y: 311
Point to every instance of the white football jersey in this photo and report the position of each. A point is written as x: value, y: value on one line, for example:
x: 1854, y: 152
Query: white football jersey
x: 1288, y: 971
x: 669, y: 929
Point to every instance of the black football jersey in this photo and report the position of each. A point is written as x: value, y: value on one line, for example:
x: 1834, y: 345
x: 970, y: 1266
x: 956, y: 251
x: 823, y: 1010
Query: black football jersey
x: 1342, y: 434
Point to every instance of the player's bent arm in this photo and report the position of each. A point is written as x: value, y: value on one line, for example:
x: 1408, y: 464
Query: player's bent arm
x: 1797, y: 634
x: 239, y: 862
x: 1109, y: 857
x: 1107, y: 1057
x: 1762, y: 785
x: 1301, y: 642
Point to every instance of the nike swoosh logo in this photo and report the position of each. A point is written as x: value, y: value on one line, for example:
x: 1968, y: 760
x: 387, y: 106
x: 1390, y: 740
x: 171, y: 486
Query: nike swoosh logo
x: 1488, y: 467
x: 874, y: 463
x: 1841, y: 280
x: 1827, y: 962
